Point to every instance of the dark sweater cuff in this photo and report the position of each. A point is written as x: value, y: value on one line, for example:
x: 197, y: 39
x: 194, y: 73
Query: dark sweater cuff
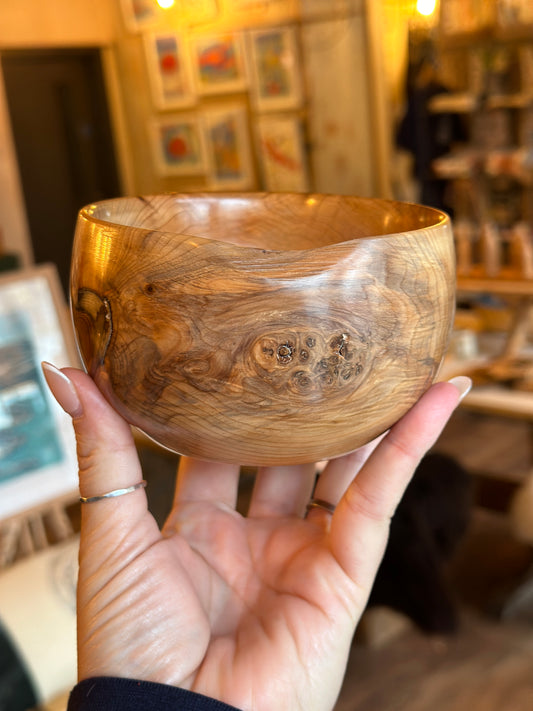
x: 113, y: 694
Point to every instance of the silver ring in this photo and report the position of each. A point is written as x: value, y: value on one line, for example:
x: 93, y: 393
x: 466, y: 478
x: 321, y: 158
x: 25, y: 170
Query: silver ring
x: 320, y: 504
x: 113, y: 494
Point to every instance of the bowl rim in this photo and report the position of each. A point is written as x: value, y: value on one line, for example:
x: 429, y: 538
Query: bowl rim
x: 87, y: 212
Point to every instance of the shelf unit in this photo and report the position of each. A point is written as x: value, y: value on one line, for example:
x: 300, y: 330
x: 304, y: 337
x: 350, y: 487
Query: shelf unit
x: 490, y: 175
x: 493, y: 170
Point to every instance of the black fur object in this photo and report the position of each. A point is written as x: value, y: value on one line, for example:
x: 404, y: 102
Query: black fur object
x: 429, y: 523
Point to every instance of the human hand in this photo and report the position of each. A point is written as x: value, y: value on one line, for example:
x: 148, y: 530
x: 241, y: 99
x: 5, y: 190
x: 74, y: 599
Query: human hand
x: 257, y: 611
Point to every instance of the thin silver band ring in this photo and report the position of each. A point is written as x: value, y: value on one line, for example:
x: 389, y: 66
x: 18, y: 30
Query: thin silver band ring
x: 113, y: 494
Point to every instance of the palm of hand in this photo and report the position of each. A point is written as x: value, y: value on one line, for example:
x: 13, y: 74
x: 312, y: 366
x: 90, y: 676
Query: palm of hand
x: 230, y: 607
x: 258, y: 612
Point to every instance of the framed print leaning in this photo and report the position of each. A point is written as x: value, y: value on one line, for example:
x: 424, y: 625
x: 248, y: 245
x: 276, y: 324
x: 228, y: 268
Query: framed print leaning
x: 179, y: 145
x: 37, y: 446
x: 282, y: 155
x: 219, y: 63
x: 169, y: 70
x: 229, y: 151
x: 275, y: 69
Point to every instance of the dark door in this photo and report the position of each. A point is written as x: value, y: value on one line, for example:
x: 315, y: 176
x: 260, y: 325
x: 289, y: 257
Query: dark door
x: 60, y: 123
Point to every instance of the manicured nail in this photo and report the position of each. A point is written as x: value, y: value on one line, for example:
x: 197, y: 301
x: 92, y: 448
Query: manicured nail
x: 62, y: 389
x: 463, y: 384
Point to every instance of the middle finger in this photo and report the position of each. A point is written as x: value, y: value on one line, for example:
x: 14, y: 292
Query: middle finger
x: 282, y: 490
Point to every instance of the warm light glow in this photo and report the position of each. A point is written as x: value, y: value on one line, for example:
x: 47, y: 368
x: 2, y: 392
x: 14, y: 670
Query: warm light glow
x: 426, y: 7
x: 165, y: 4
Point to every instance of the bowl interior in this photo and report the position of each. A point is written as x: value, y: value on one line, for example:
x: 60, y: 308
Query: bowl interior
x: 268, y: 221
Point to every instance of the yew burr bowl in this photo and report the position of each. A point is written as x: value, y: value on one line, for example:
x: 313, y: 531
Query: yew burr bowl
x: 259, y: 328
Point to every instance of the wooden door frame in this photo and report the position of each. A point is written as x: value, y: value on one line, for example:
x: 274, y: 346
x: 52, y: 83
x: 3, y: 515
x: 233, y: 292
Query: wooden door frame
x: 15, y: 231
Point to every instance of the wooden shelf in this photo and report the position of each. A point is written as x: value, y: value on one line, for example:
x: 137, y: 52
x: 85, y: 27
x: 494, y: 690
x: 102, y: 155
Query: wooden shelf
x: 466, y: 102
x: 500, y: 401
x: 487, y: 35
x: 502, y: 287
x: 460, y: 102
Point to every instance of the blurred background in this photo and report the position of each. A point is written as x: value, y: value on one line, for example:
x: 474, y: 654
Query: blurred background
x: 418, y: 100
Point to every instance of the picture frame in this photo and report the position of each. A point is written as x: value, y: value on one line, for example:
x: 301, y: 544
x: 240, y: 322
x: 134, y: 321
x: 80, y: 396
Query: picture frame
x: 219, y: 63
x: 276, y: 83
x: 37, y: 446
x: 229, y: 148
x: 179, y: 145
x: 282, y: 156
x: 140, y: 15
x: 169, y: 70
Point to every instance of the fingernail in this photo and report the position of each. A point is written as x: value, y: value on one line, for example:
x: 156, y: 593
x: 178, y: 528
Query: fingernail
x: 463, y: 384
x: 62, y: 389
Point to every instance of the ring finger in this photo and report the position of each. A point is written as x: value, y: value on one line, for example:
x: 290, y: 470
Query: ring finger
x: 338, y: 473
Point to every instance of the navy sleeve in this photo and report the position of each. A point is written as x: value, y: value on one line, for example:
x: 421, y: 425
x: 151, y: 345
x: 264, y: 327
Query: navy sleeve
x: 114, y: 694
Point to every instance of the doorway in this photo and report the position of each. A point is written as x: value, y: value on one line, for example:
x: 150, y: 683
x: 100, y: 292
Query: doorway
x: 63, y: 140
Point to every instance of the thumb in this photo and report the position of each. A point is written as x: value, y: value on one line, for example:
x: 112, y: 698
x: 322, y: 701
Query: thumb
x: 107, y: 456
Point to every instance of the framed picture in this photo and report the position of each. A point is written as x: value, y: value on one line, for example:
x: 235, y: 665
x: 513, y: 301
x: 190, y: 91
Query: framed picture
x: 37, y: 446
x: 179, y: 145
x: 282, y: 156
x: 275, y: 69
x: 228, y: 145
x: 169, y: 70
x: 140, y: 14
x: 219, y: 63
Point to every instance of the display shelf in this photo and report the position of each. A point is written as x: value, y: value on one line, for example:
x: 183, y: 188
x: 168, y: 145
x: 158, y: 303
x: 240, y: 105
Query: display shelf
x: 466, y: 102
x: 466, y: 163
x: 488, y: 35
x: 501, y: 286
x: 490, y: 172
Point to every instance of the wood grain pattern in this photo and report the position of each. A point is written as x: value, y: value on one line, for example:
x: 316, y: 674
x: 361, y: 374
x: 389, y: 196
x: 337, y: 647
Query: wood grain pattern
x: 262, y: 328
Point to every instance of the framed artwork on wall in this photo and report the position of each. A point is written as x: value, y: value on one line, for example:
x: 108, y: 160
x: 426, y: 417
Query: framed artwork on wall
x: 219, y: 63
x: 229, y: 151
x: 140, y: 14
x: 282, y: 156
x: 169, y: 70
x: 275, y: 69
x: 37, y: 446
x: 178, y: 145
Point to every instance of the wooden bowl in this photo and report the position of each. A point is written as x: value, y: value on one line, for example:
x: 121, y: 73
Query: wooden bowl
x: 262, y: 328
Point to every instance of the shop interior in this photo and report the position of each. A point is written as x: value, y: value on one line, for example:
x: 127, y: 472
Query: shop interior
x: 419, y: 101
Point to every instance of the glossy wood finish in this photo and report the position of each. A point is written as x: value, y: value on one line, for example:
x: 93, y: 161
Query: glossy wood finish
x: 262, y: 328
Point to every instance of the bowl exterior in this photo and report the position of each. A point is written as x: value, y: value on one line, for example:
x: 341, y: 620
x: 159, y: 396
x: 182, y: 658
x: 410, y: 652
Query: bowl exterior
x: 258, y: 357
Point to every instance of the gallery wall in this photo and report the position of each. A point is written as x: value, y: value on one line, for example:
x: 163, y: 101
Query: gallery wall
x: 321, y: 126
